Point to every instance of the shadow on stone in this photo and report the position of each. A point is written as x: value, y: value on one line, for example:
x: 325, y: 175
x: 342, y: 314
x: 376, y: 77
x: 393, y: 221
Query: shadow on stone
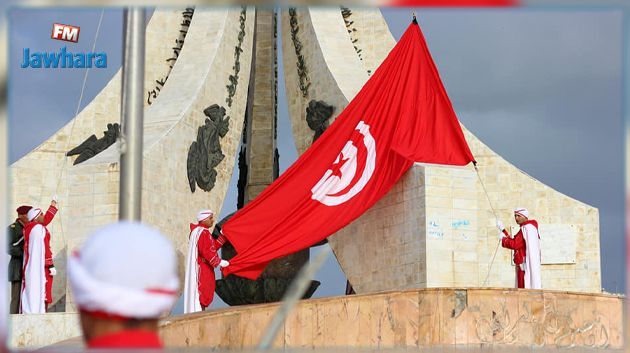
x: 270, y: 286
x: 59, y: 282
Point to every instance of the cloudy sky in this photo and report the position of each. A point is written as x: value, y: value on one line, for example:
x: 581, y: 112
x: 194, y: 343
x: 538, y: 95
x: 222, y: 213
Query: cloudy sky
x: 552, y: 75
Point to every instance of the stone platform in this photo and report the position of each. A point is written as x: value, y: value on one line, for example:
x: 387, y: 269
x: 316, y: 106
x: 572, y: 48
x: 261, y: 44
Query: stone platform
x: 39, y: 330
x: 446, y: 319
x: 421, y: 318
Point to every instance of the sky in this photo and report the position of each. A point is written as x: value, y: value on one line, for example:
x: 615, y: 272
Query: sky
x: 551, y: 75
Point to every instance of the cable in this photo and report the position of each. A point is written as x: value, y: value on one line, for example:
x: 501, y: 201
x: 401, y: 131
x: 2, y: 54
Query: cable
x: 485, y: 281
x: 76, y: 112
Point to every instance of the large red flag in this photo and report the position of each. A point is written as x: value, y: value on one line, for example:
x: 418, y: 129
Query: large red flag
x: 402, y: 115
x: 451, y: 3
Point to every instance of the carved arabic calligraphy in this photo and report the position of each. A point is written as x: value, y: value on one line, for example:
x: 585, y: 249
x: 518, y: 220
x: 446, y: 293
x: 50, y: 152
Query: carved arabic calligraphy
x: 179, y: 43
x: 233, y: 79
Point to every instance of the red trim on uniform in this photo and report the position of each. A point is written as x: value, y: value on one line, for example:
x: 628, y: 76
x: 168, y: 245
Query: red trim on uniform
x: 221, y: 239
x: 105, y: 315
x: 161, y: 291
x: 127, y: 339
x: 50, y: 214
x: 530, y: 221
x: 520, y: 277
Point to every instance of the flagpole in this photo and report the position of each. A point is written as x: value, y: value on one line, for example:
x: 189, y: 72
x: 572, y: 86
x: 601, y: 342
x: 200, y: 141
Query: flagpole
x: 4, y: 183
x: 295, y: 292
x: 132, y: 111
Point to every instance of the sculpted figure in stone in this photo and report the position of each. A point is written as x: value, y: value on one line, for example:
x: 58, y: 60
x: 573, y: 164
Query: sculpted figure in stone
x: 93, y: 146
x: 317, y: 115
x: 205, y: 153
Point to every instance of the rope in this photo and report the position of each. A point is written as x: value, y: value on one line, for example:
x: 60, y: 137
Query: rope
x: 485, y: 281
x: 76, y: 112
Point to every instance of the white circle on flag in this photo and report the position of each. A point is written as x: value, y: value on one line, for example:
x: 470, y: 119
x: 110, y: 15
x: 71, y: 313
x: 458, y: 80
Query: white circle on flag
x: 350, y: 172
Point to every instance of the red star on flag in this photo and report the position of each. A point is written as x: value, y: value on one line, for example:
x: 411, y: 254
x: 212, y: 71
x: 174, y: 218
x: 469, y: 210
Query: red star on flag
x: 336, y: 167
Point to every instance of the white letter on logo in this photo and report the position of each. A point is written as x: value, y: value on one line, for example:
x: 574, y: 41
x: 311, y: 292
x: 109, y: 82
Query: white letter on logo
x: 70, y: 34
x: 57, y: 30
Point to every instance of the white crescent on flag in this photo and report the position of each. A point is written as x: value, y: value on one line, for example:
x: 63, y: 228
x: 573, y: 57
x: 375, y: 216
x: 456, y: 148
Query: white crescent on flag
x: 350, y: 172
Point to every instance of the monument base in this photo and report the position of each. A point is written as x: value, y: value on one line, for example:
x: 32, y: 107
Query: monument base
x: 420, y: 318
x: 39, y: 330
x: 445, y: 319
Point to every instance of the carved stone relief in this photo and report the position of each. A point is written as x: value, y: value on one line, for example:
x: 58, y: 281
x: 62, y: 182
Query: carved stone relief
x: 317, y: 115
x: 93, y: 146
x: 297, y: 45
x: 205, y: 153
x: 494, y: 325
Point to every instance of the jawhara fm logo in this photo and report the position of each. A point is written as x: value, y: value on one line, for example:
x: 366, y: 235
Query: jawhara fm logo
x: 64, y: 58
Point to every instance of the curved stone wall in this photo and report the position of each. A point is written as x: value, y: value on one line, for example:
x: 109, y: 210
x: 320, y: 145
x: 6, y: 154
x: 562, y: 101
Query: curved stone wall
x: 44, y: 171
x: 369, y: 34
x: 198, y: 80
x: 332, y: 71
x: 205, y: 73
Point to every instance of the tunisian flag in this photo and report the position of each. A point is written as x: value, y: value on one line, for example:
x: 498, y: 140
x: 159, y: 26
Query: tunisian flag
x: 452, y: 3
x: 402, y: 115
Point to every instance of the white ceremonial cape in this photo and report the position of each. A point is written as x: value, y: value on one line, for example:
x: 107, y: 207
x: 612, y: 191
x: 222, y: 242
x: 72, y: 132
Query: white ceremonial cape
x: 191, y: 280
x: 532, y: 257
x: 33, y: 298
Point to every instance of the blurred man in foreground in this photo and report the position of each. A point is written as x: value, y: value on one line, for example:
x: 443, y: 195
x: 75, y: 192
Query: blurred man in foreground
x: 123, y: 279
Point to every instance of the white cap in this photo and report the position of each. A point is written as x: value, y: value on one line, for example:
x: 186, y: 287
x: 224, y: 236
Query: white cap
x: 203, y: 214
x: 125, y: 269
x: 521, y: 211
x: 33, y: 213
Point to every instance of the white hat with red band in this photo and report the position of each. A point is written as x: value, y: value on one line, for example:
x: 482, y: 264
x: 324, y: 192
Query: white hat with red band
x: 204, y: 214
x: 33, y: 213
x: 125, y: 269
x: 522, y: 211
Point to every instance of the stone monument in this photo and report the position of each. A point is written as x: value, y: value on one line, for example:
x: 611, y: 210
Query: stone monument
x: 195, y: 59
x: 217, y: 88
